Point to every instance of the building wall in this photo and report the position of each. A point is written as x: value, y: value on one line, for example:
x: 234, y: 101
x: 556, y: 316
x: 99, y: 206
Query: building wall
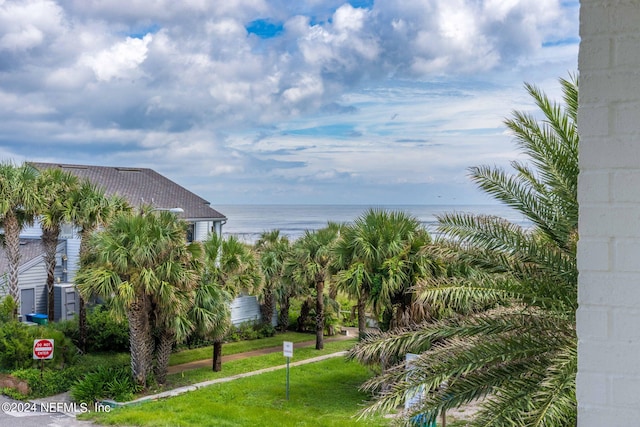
x: 608, y: 318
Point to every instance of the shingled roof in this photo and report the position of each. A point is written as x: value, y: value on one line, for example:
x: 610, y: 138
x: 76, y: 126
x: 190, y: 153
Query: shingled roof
x: 30, y: 249
x: 142, y: 186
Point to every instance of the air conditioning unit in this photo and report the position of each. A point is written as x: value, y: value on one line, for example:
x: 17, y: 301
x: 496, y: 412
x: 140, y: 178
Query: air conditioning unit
x: 66, y: 301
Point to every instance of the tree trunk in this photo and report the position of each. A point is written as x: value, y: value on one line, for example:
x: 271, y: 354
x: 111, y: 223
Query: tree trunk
x: 320, y: 315
x: 163, y: 351
x: 82, y: 323
x: 12, y: 244
x: 283, y: 315
x: 362, y: 318
x: 268, y: 307
x: 217, y: 355
x: 82, y: 309
x: 50, y: 243
x: 140, y: 340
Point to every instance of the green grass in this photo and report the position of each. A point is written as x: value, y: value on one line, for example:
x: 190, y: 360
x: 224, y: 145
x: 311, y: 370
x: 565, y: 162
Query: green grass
x: 255, y: 363
x: 321, y: 394
x: 202, y: 353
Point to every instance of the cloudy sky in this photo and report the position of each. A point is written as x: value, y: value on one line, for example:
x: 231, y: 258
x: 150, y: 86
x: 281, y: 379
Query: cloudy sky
x: 280, y: 101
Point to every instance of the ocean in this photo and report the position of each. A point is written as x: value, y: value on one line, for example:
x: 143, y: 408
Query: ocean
x: 247, y: 222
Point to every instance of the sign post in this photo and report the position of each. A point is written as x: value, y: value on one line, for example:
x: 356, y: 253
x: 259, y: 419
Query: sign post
x: 42, y: 350
x: 287, y: 350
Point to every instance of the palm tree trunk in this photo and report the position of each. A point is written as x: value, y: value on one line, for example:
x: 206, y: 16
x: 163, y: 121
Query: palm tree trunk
x: 283, y: 315
x: 217, y: 355
x: 50, y: 242
x: 82, y: 309
x: 139, y: 340
x: 82, y: 323
x: 163, y: 351
x: 320, y: 315
x: 267, y: 308
x: 12, y: 243
x: 362, y: 318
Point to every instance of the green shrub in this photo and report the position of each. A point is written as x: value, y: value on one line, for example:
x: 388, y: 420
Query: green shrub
x: 266, y: 330
x: 16, y: 345
x: 49, y: 381
x: 105, y: 333
x: 105, y: 383
x: 8, y: 307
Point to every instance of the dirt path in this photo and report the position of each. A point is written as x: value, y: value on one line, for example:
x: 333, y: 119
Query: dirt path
x: 207, y: 363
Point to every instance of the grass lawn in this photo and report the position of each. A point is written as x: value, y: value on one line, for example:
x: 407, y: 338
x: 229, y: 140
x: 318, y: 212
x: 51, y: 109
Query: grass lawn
x: 321, y: 394
x: 252, y: 364
x: 186, y: 356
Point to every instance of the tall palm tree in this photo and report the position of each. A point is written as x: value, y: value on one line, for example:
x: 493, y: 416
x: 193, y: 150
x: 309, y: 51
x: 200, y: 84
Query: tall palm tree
x: 19, y: 201
x: 312, y: 257
x: 89, y: 208
x: 232, y: 266
x: 172, y: 303
x: 379, y: 260
x: 273, y: 250
x: 142, y: 263
x: 54, y: 185
x: 520, y: 356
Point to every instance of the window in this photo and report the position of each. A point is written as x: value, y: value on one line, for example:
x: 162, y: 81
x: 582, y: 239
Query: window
x: 191, y: 232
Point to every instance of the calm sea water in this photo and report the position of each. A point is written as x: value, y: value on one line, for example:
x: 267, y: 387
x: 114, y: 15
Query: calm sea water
x: 247, y: 221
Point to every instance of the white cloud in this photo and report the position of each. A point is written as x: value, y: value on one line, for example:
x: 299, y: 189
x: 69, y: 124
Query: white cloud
x: 410, y: 91
x: 122, y: 60
x: 26, y: 24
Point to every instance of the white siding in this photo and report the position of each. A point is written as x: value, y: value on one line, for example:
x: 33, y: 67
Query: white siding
x: 202, y: 230
x: 73, y: 259
x: 245, y: 309
x: 608, y: 382
x: 32, y: 230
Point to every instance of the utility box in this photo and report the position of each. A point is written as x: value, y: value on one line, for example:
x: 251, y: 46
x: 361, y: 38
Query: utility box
x: 66, y: 301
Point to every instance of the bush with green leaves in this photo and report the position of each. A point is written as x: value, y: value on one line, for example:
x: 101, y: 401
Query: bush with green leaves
x: 48, y: 382
x: 250, y: 331
x: 16, y: 345
x: 105, y: 383
x: 105, y: 333
x: 8, y: 306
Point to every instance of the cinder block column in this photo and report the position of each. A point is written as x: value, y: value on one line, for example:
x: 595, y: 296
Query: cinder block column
x: 609, y: 195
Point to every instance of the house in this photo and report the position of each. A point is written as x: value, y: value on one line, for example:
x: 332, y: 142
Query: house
x: 140, y: 186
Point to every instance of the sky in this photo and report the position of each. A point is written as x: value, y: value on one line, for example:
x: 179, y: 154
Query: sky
x: 279, y: 101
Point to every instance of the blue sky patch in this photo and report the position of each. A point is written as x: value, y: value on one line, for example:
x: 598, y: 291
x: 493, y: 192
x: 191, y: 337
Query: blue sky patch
x: 138, y: 33
x: 365, y: 4
x: 337, y: 130
x: 562, y: 42
x: 264, y: 28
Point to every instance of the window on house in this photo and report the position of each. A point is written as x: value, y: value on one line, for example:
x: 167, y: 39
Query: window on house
x: 191, y: 232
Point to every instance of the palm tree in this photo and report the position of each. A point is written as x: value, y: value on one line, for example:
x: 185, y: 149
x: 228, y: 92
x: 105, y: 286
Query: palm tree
x: 273, y: 250
x: 378, y: 260
x: 312, y: 257
x: 54, y: 185
x: 232, y: 266
x: 173, y: 304
x: 519, y: 357
x: 19, y: 201
x: 89, y: 208
x: 143, y: 264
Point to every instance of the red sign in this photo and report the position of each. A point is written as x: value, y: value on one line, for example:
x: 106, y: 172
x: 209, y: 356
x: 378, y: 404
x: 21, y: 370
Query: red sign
x: 43, y: 349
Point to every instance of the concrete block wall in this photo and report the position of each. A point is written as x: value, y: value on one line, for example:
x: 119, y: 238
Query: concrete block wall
x: 608, y: 318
